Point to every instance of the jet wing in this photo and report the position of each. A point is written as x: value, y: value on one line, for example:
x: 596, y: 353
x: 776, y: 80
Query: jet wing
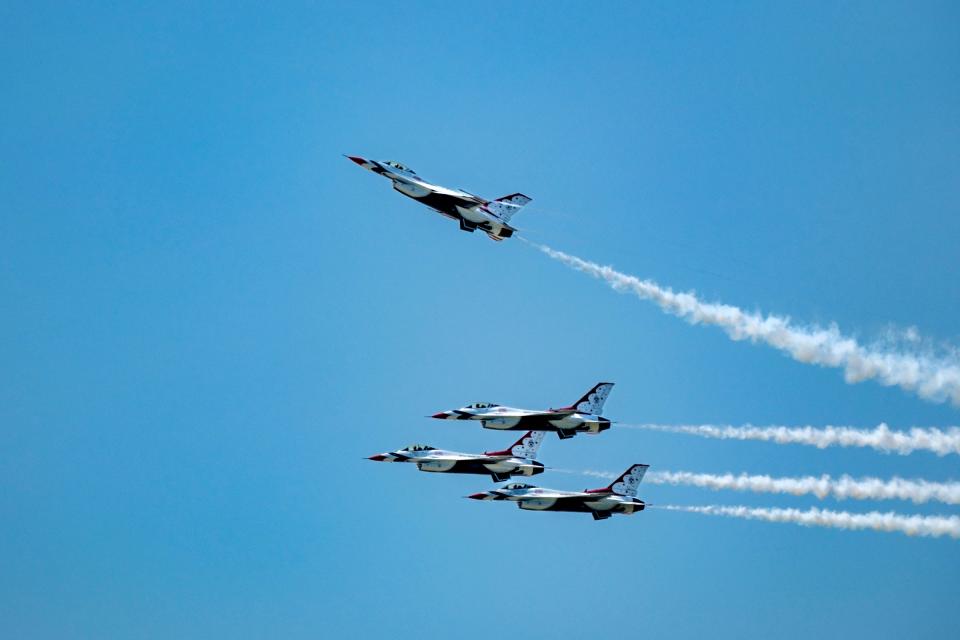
x: 459, y: 457
x: 465, y: 197
x: 453, y: 456
x: 488, y: 459
x: 558, y: 495
x: 553, y: 414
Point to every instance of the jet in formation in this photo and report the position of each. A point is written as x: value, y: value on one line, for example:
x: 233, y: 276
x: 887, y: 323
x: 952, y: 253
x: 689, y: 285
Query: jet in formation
x: 471, y: 211
x: 583, y: 416
x: 620, y: 496
x: 517, y: 460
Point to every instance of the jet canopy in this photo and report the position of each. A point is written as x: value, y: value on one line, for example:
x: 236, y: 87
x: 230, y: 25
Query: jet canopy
x: 518, y: 485
x: 397, y: 165
x: 418, y: 447
x: 482, y: 405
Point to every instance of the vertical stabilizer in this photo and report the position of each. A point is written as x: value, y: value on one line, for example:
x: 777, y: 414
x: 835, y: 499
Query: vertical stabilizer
x: 628, y: 482
x: 592, y: 401
x: 507, y: 206
x: 526, y: 447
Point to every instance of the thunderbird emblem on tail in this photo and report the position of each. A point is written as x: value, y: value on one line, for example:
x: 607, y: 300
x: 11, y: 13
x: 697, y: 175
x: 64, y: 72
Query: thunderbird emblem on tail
x: 583, y: 416
x: 471, y: 211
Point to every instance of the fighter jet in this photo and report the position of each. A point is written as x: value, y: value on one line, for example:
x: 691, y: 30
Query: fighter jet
x: 471, y: 211
x: 618, y: 497
x: 518, y: 460
x: 582, y: 416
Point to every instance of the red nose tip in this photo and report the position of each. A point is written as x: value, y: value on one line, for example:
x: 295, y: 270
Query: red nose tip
x: 357, y: 159
x: 477, y: 496
x: 378, y: 458
x: 439, y: 416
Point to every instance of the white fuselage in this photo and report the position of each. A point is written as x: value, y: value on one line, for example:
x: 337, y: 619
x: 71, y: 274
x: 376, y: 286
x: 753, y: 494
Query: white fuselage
x: 539, y: 499
x: 473, y: 212
x: 440, y: 461
x: 513, y: 419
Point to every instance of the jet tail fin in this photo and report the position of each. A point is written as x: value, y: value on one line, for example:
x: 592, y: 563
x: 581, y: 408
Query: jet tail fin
x: 526, y: 447
x: 627, y: 483
x: 507, y: 206
x: 593, y: 400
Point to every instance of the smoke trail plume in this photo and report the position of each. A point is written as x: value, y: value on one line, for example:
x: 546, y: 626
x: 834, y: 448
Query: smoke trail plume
x: 931, y: 377
x: 881, y: 438
x: 842, y: 488
x: 933, y: 526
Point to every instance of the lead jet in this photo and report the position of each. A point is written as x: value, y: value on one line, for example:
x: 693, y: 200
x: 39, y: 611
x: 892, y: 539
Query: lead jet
x: 471, y: 211
x: 517, y: 460
x: 583, y: 416
x: 620, y: 496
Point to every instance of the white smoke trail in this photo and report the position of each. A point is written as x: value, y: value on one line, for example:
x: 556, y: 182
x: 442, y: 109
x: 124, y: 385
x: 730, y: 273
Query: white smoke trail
x: 842, y: 488
x: 934, y: 526
x: 845, y: 487
x: 931, y: 377
x: 881, y: 438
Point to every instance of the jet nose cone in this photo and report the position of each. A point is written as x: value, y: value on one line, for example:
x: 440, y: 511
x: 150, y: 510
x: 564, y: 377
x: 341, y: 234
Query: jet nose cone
x: 441, y: 416
x: 478, y: 496
x: 378, y: 458
x: 357, y: 159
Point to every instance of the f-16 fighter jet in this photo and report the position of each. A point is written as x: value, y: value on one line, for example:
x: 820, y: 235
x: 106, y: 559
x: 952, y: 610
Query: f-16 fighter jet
x: 471, y: 211
x: 582, y: 416
x: 619, y: 497
x: 518, y: 460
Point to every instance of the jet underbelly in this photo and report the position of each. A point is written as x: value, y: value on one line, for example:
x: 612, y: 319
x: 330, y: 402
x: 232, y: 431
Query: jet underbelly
x: 568, y: 422
x: 437, y: 465
x: 578, y: 422
x: 501, y: 467
x: 410, y: 189
x: 538, y: 504
x: 629, y: 508
x: 500, y: 423
x: 474, y: 215
x: 446, y: 204
x: 601, y: 505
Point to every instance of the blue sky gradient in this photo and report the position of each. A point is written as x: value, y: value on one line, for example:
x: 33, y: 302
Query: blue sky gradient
x: 211, y: 317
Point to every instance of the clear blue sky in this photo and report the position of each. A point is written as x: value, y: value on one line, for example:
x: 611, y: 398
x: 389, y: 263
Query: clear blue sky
x: 210, y: 316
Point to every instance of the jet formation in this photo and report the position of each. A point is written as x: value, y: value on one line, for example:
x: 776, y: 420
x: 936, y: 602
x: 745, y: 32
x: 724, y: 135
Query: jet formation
x: 493, y: 217
x: 583, y: 416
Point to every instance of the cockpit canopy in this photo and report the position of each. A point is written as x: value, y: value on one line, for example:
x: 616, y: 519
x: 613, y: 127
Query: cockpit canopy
x: 518, y: 485
x: 418, y: 447
x: 482, y: 405
x: 397, y: 165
